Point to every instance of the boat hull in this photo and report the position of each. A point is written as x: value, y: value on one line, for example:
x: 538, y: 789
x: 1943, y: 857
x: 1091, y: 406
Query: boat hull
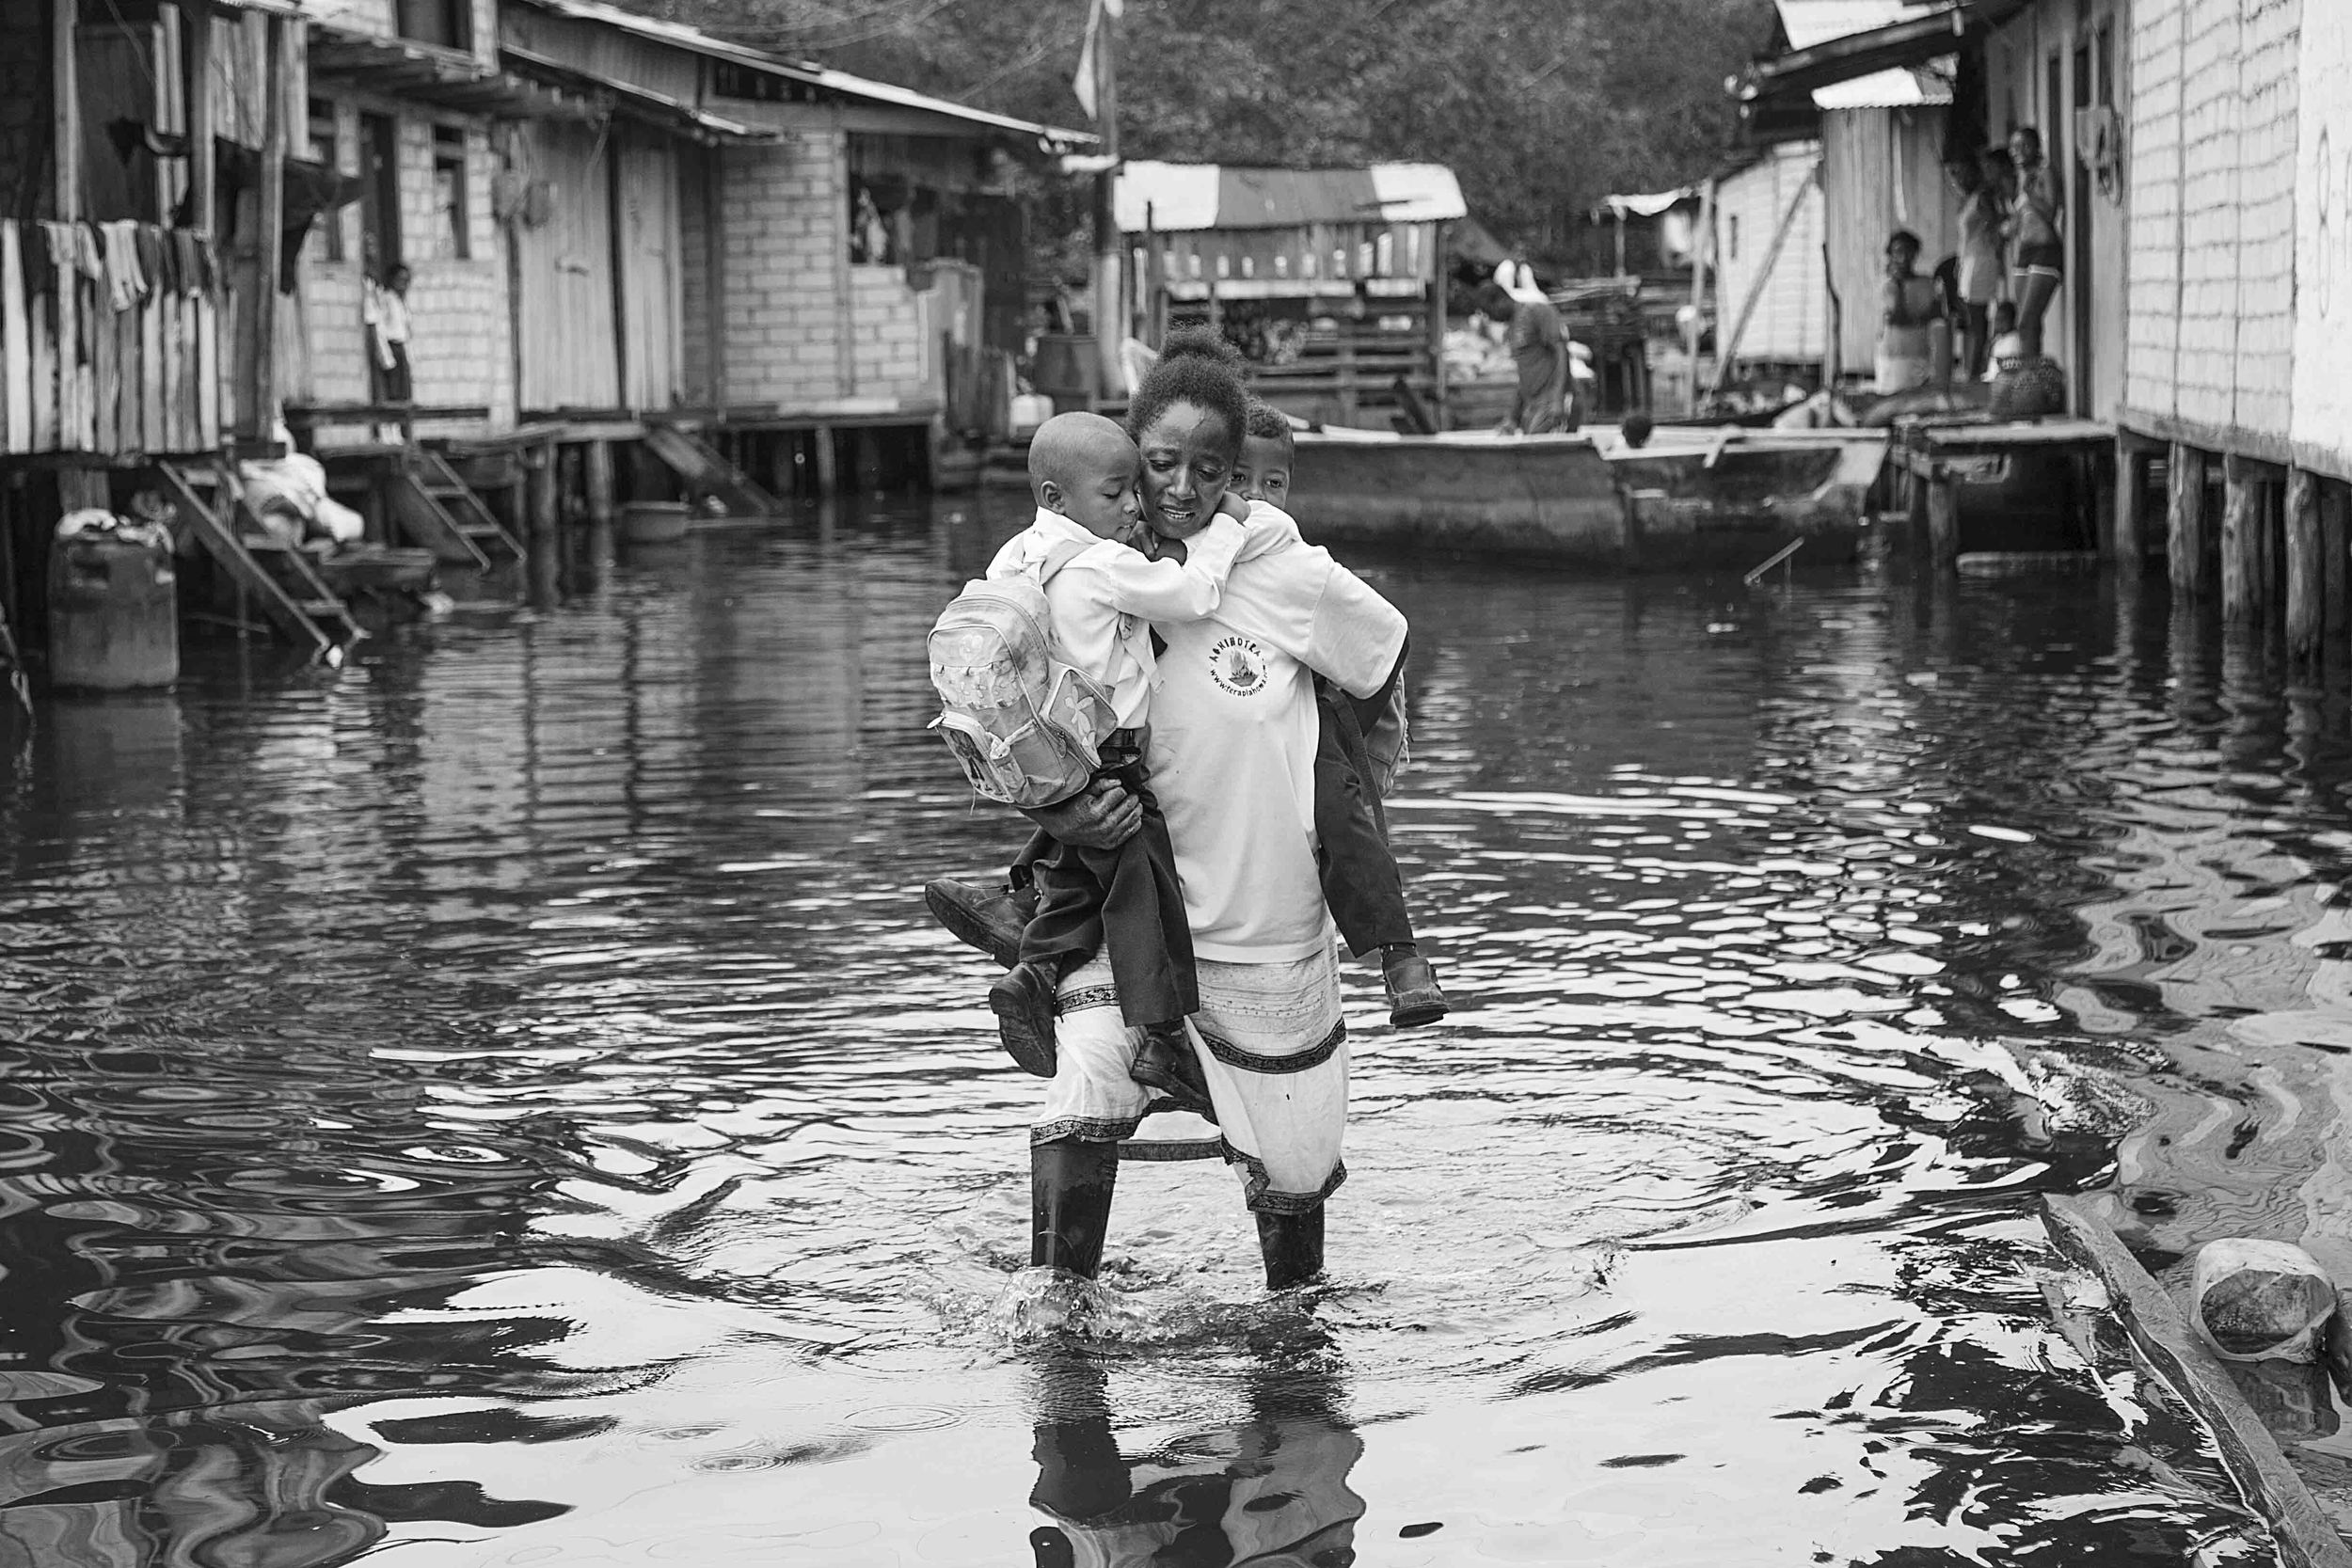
x: 1708, y: 498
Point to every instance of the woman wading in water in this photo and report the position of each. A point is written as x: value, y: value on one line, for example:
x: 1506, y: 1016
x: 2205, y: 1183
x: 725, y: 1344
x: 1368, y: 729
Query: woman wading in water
x: 1231, y: 758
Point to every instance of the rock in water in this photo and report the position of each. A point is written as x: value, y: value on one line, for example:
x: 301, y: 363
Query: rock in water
x: 2261, y: 1300
x: 2029, y: 389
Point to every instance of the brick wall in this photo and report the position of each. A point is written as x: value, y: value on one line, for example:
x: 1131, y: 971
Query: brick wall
x: 460, y: 347
x: 2211, y: 161
x: 694, y: 263
x: 782, y: 212
x: 890, y: 325
x: 2153, y: 167
x: 2264, y: 373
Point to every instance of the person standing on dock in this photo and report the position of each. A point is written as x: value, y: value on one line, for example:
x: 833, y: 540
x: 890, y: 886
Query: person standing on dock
x: 1981, y: 270
x: 2033, y: 226
x: 1539, y: 346
x: 1912, y: 324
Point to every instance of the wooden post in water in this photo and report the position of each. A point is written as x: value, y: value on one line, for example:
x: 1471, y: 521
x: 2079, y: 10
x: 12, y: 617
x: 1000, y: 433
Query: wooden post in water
x: 545, y: 478
x: 2131, y: 505
x: 828, y: 466
x: 2307, y: 610
x: 2335, y: 539
x: 2186, y: 522
x: 1942, y: 521
x: 2241, y: 541
x: 599, y: 481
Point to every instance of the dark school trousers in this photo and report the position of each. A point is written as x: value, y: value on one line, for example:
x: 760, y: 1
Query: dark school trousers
x: 1130, y: 897
x: 1360, y: 882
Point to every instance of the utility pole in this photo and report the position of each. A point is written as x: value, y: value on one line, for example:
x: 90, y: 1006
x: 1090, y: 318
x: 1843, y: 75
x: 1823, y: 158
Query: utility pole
x: 1110, y: 299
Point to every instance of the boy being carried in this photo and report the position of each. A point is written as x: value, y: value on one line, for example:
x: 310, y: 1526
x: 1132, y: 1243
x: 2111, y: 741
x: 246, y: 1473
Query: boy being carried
x: 1358, y: 751
x: 1085, y: 549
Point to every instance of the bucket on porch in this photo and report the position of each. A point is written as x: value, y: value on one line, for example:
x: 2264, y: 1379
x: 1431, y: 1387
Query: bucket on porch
x: 114, y: 605
x: 654, y: 522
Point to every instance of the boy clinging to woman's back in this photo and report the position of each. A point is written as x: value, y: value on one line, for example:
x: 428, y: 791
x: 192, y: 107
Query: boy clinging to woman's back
x: 1359, y: 748
x: 1085, y: 549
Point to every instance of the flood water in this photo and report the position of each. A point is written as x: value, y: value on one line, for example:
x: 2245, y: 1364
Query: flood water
x: 505, y: 1103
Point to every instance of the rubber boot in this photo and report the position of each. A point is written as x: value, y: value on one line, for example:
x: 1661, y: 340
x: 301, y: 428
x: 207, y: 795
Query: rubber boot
x: 1292, y: 1245
x: 1070, y: 1203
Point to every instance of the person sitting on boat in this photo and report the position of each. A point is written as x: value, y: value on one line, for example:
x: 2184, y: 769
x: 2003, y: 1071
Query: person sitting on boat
x: 1359, y: 745
x: 1084, y: 551
x: 1539, y: 347
x: 1912, y: 322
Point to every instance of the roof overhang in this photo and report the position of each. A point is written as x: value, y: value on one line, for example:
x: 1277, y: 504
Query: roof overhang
x: 632, y: 103
x: 822, y: 80
x: 1787, y: 80
x: 446, y: 79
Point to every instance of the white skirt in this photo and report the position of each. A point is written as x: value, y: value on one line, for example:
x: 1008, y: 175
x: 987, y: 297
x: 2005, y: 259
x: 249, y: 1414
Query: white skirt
x: 1273, y: 1047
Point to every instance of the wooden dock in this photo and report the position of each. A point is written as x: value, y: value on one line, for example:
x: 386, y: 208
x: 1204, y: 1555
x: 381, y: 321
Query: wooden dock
x: 2021, y: 485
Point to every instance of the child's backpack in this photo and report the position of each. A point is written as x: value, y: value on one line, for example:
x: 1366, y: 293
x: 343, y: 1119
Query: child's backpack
x: 1026, y: 727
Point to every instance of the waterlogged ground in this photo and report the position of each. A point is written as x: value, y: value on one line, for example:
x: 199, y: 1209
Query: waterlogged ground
x: 505, y: 1105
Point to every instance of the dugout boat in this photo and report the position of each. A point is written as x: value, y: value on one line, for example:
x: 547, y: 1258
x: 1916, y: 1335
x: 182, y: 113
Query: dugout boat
x: 1693, y: 496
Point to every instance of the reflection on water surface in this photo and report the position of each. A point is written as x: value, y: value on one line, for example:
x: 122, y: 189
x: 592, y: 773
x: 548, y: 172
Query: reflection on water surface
x: 506, y: 1105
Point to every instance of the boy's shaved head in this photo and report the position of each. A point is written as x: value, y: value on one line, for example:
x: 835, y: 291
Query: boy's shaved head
x: 1084, y: 468
x: 1069, y: 449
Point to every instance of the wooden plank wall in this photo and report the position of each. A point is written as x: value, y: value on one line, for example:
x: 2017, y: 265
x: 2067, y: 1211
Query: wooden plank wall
x: 1881, y: 170
x: 78, y: 376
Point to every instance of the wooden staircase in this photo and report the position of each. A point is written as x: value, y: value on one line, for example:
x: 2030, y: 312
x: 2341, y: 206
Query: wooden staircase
x: 436, y: 510
x: 279, y: 578
x: 707, y: 473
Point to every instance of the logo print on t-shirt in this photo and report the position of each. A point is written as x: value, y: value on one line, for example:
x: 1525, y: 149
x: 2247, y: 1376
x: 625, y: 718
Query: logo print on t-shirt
x: 1238, y: 665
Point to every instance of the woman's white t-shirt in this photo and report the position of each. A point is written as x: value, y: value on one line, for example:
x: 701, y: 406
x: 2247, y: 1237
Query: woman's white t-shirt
x: 1232, y: 759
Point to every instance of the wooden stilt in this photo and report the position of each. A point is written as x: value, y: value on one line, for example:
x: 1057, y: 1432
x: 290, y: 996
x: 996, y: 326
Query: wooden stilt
x: 2335, y: 539
x: 2131, y: 506
x: 828, y: 472
x: 868, y: 474
x: 599, y: 480
x: 2241, y: 542
x: 1943, y: 522
x: 2186, y: 525
x: 2307, y: 610
x: 544, y: 478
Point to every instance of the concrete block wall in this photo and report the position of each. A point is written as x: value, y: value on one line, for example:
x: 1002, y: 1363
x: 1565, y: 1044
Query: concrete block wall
x: 889, y: 326
x: 782, y: 237
x: 696, y: 238
x: 2211, y: 161
x: 2151, y: 167
x: 460, y: 346
x: 2268, y: 62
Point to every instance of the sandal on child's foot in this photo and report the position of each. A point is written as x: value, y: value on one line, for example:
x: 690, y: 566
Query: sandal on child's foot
x: 1163, y: 1062
x: 1414, y: 998
x: 1023, y: 1001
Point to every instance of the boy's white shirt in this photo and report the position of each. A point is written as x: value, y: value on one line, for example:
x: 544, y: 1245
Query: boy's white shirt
x: 1105, y: 598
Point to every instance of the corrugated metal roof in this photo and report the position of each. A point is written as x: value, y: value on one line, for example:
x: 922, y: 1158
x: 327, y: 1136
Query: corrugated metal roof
x: 1187, y: 197
x: 1887, y: 89
x: 694, y: 40
x: 1810, y: 23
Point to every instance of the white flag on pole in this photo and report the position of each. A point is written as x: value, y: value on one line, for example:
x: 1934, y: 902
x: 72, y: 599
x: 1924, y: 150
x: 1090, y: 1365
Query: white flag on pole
x: 1084, y: 84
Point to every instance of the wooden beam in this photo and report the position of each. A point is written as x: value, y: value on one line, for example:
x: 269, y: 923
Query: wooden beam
x: 197, y: 30
x: 2335, y: 542
x: 2242, y: 577
x: 2131, y: 507
x: 66, y: 123
x: 2307, y: 608
x: 2186, y: 522
x: 1943, y: 521
x: 2304, y: 1537
x: 257, y: 419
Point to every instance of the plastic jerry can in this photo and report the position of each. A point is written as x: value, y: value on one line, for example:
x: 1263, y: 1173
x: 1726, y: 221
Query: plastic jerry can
x: 114, y: 614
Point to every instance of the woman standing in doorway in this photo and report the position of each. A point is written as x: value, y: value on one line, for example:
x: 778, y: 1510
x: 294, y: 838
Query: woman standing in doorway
x: 2035, y: 214
x: 1980, y: 270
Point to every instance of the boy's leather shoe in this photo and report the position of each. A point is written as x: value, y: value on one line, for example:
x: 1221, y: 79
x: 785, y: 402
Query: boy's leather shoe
x: 990, y: 919
x: 1414, y: 998
x: 1023, y: 1002
x: 1164, y: 1062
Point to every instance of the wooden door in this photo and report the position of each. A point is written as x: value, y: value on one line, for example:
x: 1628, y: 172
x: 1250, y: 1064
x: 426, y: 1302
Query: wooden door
x: 646, y: 204
x: 566, y: 352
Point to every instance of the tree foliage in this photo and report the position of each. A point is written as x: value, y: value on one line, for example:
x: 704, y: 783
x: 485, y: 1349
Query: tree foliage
x: 1541, y: 106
